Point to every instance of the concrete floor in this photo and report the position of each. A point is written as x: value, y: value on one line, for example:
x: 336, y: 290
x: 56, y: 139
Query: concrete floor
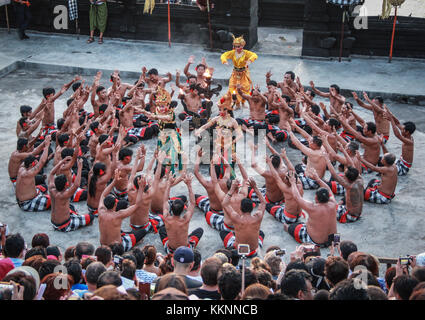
x: 390, y: 231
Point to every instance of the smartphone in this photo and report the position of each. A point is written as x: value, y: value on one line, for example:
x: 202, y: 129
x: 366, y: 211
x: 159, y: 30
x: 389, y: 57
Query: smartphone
x: 280, y: 252
x: 309, y: 247
x: 337, y: 238
x: 117, y: 259
x: 243, y: 249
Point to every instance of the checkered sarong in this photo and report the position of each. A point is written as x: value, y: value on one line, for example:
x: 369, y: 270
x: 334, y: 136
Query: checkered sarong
x: 346, y: 2
x: 155, y: 221
x: 402, y: 167
x: 41, y: 202
x: 73, y: 9
x: 372, y: 194
x: 343, y: 216
x: 74, y: 222
x: 280, y: 213
x: 128, y: 241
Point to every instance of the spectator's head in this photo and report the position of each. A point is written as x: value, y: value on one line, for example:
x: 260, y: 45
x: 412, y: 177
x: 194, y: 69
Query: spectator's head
x: 54, y: 251
x: 227, y: 253
x: 36, y: 251
x: 53, y: 291
x: 93, y: 272
x: 183, y: 260
x: 256, y: 291
x: 369, y: 261
x: 150, y: 254
x: 170, y: 294
x: 140, y: 257
x: 109, y: 277
x: 14, y: 246
x: 389, y: 276
x: 361, y: 273
x: 274, y: 262
x: 222, y: 257
x: 419, y: 273
x: 34, y: 262
x: 109, y: 292
x: 172, y: 280
x: 403, y: 286
x: 316, y: 267
x: 69, y: 253
x: 322, y: 295
x: 84, y: 248
x: 103, y: 254
x: 209, y: 271
x: 27, y: 277
x: 347, y: 247
x: 348, y: 290
x: 296, y: 264
x: 376, y: 293
x: 418, y: 292
x: 74, y: 269
x: 336, y: 270
x: 258, y: 264
x: 296, y: 284
x: 40, y: 239
x: 265, y: 278
x: 229, y: 282
x: 48, y: 267
x: 128, y: 269
x: 117, y: 248
x: 166, y: 265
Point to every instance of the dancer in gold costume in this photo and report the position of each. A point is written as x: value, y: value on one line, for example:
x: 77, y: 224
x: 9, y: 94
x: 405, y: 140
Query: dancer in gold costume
x: 241, y: 60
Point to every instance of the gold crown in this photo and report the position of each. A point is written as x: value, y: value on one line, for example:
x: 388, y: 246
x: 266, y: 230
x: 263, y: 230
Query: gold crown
x: 238, y: 41
x: 226, y: 101
x: 163, y: 98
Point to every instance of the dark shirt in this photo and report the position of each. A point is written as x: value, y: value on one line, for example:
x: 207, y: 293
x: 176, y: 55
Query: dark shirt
x: 205, y: 294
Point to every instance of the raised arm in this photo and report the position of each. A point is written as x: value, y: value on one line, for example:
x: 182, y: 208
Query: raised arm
x: 192, y: 202
x: 196, y: 172
x: 361, y: 103
x: 320, y: 93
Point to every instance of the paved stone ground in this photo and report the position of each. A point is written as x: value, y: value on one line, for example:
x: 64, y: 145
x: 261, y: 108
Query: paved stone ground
x: 391, y: 230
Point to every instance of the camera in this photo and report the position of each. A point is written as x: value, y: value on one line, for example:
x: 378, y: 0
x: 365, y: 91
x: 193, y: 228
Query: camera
x: 280, y: 252
x: 337, y: 238
x: 405, y: 261
x: 310, y: 247
x: 117, y: 260
x: 243, y: 249
x: 6, y: 286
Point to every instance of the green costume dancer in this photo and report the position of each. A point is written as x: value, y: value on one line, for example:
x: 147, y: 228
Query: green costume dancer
x: 98, y: 17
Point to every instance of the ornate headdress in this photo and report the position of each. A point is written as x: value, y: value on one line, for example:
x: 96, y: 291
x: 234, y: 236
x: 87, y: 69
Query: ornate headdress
x: 238, y: 41
x: 226, y: 102
x: 163, y: 98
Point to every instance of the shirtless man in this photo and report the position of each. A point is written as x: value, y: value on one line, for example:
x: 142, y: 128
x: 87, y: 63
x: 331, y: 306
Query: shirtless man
x: 333, y: 95
x: 143, y: 218
x: 350, y: 209
x: 321, y: 223
x: 289, y: 211
x: 29, y: 196
x: 100, y: 92
x: 200, y: 69
x: 175, y: 232
x: 26, y: 112
x: 246, y: 225
x: 404, y: 134
x: 257, y: 108
x: 153, y: 79
x: 377, y: 106
x: 314, y: 160
x: 118, y: 86
x: 64, y: 216
x: 110, y: 219
x: 27, y: 127
x: 220, y: 220
x: 157, y: 204
x: 382, y: 192
x: 369, y: 139
x: 124, y: 167
x: 98, y: 178
x: 23, y: 150
x: 192, y: 106
x: 51, y: 96
x: 288, y: 86
x: 134, y: 134
x: 271, y: 192
x: 105, y: 149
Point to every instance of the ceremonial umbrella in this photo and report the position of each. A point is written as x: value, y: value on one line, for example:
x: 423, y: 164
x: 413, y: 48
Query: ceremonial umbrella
x: 344, y: 4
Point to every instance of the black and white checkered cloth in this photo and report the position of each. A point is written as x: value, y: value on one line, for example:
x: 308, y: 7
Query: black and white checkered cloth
x: 346, y: 2
x: 73, y: 9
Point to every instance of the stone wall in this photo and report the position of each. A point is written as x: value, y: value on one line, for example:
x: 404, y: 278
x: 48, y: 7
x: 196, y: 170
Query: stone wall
x: 281, y: 13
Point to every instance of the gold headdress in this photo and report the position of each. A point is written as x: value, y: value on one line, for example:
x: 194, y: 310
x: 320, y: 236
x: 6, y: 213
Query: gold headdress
x: 226, y: 102
x: 238, y: 41
x: 162, y: 97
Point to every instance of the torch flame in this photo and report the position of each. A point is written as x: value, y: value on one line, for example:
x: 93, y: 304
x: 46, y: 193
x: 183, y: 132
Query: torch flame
x: 207, y: 74
x: 181, y: 91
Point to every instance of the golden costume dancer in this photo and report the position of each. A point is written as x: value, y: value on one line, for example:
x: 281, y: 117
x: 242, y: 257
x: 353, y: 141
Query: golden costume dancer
x: 169, y: 139
x: 241, y: 60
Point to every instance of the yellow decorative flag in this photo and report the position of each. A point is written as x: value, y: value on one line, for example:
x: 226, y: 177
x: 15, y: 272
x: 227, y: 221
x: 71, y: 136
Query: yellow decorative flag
x: 149, y: 6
